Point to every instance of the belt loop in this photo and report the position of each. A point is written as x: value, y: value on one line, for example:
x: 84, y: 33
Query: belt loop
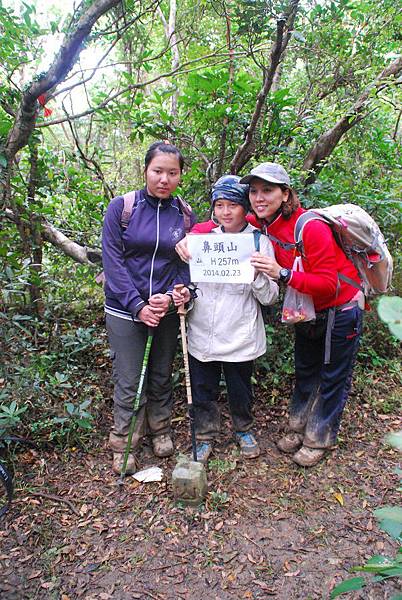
x: 328, y: 334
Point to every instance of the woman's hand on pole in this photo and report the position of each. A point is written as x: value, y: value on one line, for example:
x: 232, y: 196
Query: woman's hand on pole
x: 265, y: 264
x: 181, y: 295
x: 159, y: 303
x: 148, y: 316
x: 182, y: 250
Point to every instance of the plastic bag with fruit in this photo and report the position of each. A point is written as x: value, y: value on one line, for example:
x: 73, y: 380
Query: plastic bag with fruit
x: 297, y: 307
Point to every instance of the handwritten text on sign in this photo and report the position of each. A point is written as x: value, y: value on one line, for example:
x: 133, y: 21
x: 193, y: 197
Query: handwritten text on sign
x: 221, y: 258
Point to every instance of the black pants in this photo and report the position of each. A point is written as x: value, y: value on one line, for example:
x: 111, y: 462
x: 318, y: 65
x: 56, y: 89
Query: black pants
x: 205, y: 378
x: 321, y: 390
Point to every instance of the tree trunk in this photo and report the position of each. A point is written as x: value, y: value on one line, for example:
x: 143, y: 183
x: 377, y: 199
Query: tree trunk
x: 283, y: 33
x: 225, y: 124
x: 170, y: 34
x: 324, y: 146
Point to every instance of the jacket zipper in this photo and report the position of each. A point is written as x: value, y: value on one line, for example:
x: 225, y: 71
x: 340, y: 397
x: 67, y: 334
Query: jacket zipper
x: 155, y: 251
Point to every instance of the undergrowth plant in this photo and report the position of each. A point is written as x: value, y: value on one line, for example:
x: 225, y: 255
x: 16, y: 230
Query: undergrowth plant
x: 48, y: 379
x: 382, y: 567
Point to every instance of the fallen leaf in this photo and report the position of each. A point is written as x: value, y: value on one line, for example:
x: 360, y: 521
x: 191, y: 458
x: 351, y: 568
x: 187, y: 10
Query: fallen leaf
x: 34, y: 574
x: 338, y: 496
x: 264, y: 586
x: 228, y: 557
x: 48, y: 585
x: 292, y: 573
x: 219, y: 526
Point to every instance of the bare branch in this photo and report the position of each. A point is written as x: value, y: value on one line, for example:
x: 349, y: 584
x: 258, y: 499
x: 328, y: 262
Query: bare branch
x: 283, y: 33
x: 66, y: 57
x: 90, y: 163
x: 81, y: 254
x: 223, y: 137
x: 135, y: 86
x: 324, y: 146
x: 170, y: 33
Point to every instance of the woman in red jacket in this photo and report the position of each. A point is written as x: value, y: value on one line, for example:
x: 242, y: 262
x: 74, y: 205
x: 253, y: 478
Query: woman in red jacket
x: 325, y: 350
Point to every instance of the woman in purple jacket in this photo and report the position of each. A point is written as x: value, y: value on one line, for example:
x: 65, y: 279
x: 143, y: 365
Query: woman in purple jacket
x: 141, y: 268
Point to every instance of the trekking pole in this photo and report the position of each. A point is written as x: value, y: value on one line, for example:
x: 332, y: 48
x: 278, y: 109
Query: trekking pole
x: 136, y: 403
x: 181, y: 310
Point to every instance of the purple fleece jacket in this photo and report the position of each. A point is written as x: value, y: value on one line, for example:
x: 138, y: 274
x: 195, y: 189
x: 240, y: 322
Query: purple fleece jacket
x: 141, y: 260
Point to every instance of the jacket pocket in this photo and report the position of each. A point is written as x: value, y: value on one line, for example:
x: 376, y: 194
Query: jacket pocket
x: 234, y: 288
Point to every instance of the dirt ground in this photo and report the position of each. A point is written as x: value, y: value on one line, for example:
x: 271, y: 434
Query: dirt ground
x: 268, y: 529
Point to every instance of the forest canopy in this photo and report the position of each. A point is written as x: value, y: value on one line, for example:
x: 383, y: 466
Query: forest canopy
x: 85, y: 88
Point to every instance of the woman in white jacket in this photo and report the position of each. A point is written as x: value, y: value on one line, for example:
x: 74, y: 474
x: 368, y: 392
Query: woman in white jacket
x: 226, y: 332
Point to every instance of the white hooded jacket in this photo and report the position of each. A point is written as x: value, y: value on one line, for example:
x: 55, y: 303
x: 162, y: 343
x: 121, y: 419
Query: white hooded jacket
x: 225, y: 323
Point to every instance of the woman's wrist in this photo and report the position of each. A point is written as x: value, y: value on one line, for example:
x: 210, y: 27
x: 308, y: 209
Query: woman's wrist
x: 284, y: 275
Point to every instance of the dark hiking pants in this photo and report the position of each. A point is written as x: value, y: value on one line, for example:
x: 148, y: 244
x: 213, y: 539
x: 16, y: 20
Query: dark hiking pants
x: 205, y: 378
x: 321, y: 390
x: 127, y: 344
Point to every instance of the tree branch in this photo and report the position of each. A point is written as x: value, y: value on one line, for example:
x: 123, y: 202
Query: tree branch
x: 81, y: 254
x: 225, y: 124
x: 135, y: 86
x: 283, y: 34
x: 324, y: 146
x: 66, y: 57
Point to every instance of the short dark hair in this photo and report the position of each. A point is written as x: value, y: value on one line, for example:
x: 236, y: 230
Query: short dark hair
x: 162, y: 147
x: 292, y: 203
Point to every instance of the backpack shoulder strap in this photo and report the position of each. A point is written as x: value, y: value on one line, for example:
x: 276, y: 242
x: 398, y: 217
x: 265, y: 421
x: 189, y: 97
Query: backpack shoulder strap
x: 187, y: 211
x: 307, y: 216
x: 284, y: 245
x: 257, y: 238
x: 129, y: 199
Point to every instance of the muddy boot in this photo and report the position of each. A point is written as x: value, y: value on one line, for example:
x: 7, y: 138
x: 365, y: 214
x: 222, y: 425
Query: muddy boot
x: 290, y: 442
x: 162, y: 445
x: 118, y: 459
x: 308, y: 457
x: 118, y: 444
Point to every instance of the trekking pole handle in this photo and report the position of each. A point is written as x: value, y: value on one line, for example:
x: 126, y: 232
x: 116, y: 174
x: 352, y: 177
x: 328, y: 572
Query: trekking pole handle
x: 181, y: 310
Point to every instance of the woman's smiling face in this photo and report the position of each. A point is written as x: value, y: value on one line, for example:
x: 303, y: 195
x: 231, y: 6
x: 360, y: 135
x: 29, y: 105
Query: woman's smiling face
x: 266, y: 198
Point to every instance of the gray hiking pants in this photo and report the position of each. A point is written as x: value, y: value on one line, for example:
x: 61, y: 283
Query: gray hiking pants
x: 127, y: 342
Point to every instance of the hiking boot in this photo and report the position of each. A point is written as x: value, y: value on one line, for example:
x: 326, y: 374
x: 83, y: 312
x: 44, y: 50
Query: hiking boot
x: 308, y: 457
x: 118, y: 458
x: 203, y: 451
x: 290, y: 442
x: 162, y: 445
x: 249, y: 447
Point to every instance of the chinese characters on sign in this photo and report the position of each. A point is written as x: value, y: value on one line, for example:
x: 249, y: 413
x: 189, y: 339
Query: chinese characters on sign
x: 221, y: 258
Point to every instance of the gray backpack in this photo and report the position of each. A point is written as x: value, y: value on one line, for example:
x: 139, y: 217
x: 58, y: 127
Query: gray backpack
x: 360, y: 238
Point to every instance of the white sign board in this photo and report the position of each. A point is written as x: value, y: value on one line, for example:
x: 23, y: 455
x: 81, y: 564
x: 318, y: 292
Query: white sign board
x: 221, y: 257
